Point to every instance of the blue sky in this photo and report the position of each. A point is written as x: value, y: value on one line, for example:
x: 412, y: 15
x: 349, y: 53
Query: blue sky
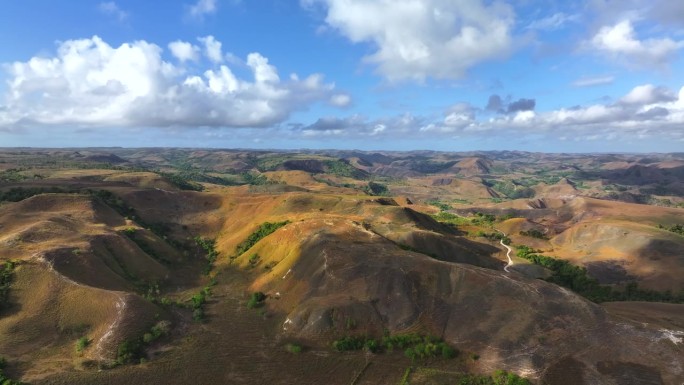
x: 455, y: 75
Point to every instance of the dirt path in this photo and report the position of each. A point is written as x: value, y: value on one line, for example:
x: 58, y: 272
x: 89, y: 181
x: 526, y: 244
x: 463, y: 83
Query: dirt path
x: 508, y: 253
x: 109, y: 334
x: 120, y: 306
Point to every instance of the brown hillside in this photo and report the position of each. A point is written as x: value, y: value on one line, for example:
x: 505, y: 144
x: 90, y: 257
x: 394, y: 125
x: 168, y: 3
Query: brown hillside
x: 75, y: 278
x: 473, y: 166
x: 142, y: 180
x: 341, y: 271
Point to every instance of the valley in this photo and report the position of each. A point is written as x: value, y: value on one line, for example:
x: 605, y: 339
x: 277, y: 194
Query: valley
x: 185, y: 266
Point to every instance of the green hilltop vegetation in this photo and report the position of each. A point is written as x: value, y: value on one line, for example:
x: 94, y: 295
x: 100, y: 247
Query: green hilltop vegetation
x: 576, y: 279
x: 264, y: 230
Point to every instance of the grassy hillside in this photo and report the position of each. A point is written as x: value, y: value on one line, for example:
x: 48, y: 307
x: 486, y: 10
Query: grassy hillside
x: 119, y: 274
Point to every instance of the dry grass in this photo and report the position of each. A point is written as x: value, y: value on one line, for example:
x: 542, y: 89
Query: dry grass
x: 338, y: 259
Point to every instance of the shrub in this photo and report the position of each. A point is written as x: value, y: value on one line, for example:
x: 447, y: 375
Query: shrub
x: 371, y: 346
x: 483, y: 219
x: 82, y: 343
x: 181, y: 181
x: 451, y: 219
x: 133, y: 350
x: 264, y: 230
x: 349, y: 343
x: 414, y: 345
x: 254, y: 259
x: 6, y: 274
x: 376, y: 189
x: 269, y: 266
x: 198, y: 314
x: 129, y: 351
x: 677, y: 229
x: 534, y: 233
x: 8, y: 381
x: 293, y: 348
x: 160, y: 329
x: 341, y: 167
x: 442, y: 207
x: 501, y: 377
x: 405, y: 377
x: 256, y: 300
x: 198, y: 300
x: 254, y: 179
x: 148, y: 338
x: 447, y: 351
x: 209, y: 246
x: 17, y: 194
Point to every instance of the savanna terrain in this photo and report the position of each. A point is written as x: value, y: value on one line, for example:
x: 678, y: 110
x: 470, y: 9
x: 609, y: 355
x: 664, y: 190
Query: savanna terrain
x: 177, y: 266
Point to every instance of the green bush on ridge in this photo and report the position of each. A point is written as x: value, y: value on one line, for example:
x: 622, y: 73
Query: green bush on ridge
x: 264, y: 230
x: 576, y: 279
x: 415, y: 346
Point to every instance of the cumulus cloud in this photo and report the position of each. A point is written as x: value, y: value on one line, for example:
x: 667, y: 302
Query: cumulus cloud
x: 212, y: 48
x: 458, y: 116
x: 521, y: 105
x: 620, y: 40
x: 495, y: 104
x: 334, y: 125
x: 360, y: 126
x: 501, y: 106
x: 184, y: 51
x: 648, y: 94
x: 89, y: 83
x: 112, y: 9
x: 202, y: 8
x: 646, y: 111
x: 415, y: 40
x: 340, y: 100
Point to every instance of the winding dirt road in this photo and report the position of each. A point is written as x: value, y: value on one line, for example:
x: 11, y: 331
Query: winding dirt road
x: 508, y: 253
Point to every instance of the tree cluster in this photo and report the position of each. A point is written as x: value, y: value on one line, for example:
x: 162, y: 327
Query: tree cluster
x: 576, y: 279
x: 264, y: 230
x: 415, y: 346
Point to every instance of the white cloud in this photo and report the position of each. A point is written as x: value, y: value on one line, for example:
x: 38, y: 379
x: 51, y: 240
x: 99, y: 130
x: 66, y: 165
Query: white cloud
x: 184, y: 51
x: 668, y: 11
x: 340, y: 100
x: 554, y: 22
x: 89, y: 83
x: 263, y: 72
x: 661, y: 12
x: 524, y: 116
x: 111, y: 8
x: 648, y: 94
x: 415, y: 40
x: 459, y: 116
x: 620, y: 40
x: 645, y: 112
x: 593, y: 81
x: 359, y: 126
x: 212, y: 48
x: 202, y: 8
